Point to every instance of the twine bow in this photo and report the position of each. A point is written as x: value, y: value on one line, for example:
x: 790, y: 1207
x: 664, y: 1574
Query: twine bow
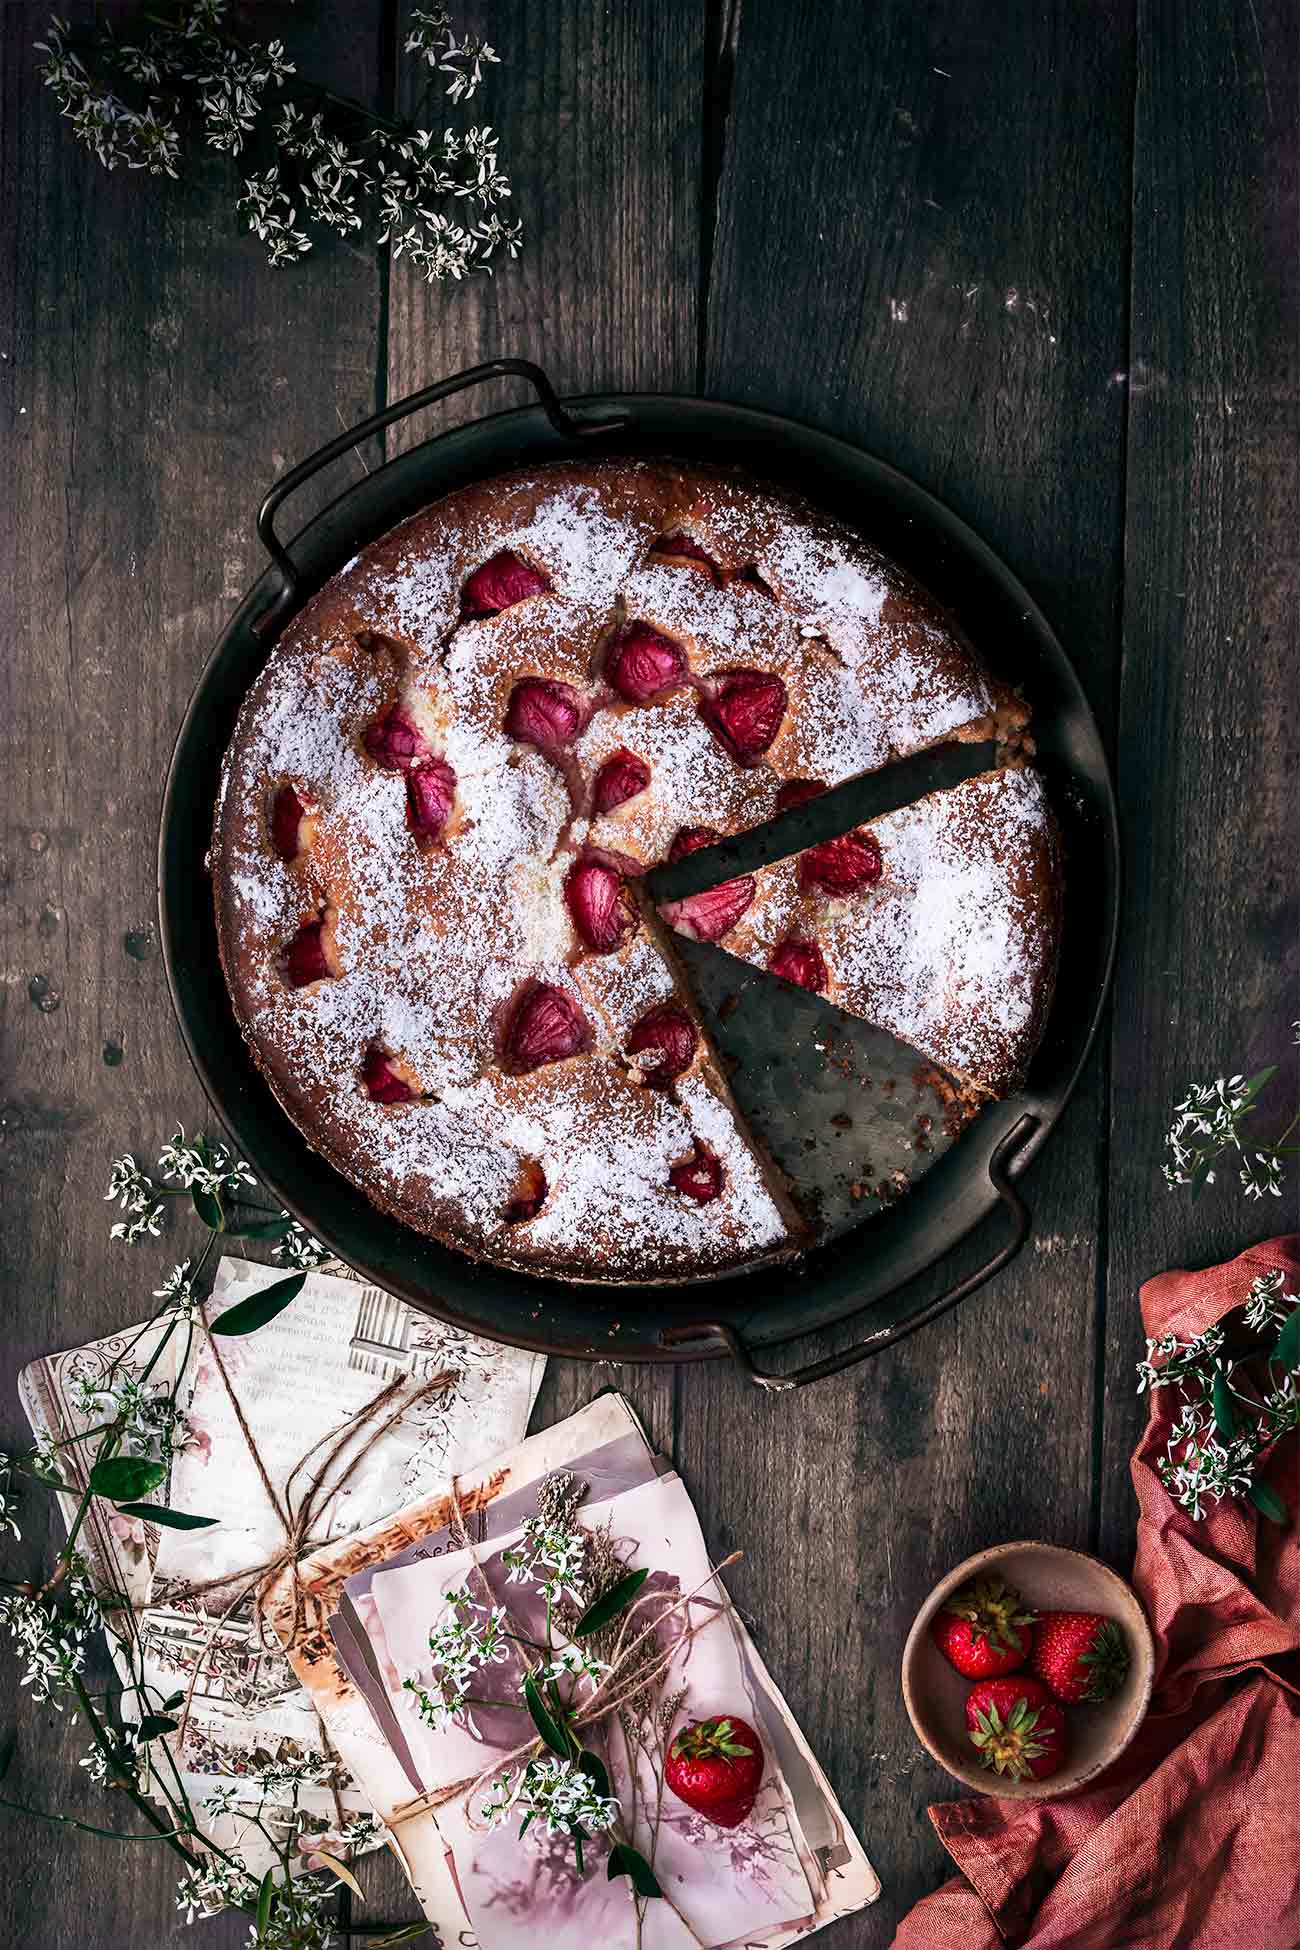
x: 301, y: 1519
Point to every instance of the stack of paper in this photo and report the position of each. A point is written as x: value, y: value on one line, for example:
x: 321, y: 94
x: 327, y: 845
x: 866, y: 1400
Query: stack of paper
x: 302, y: 1380
x: 791, y: 1866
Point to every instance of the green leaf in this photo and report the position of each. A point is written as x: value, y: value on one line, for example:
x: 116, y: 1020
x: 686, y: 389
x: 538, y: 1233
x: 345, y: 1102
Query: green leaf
x: 169, y: 1519
x: 407, y: 1934
x: 616, y: 1599
x: 1200, y: 1173
x: 246, y: 1316
x: 1287, y: 1351
x: 1267, y: 1501
x: 1225, y: 1418
x: 265, y: 1900
x: 1257, y: 1082
x: 340, y: 1869
x: 208, y: 1207
x: 551, y: 1733
x: 43, y: 1476
x: 153, y: 1726
x: 125, y: 1478
x: 260, y: 1228
x: 594, y: 1768
x: 625, y: 1861
x: 170, y: 1705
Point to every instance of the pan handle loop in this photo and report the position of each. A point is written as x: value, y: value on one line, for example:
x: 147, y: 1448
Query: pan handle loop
x: 563, y: 422
x: 1000, y: 1165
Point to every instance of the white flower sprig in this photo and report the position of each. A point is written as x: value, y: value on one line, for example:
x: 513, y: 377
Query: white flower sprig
x: 1231, y: 1412
x: 337, y: 165
x: 52, y: 1637
x: 557, y: 1793
x: 1210, y: 1123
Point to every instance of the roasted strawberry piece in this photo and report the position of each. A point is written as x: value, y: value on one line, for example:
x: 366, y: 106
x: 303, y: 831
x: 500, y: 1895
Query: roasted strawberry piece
x: 307, y: 958
x: 499, y: 583
x: 842, y: 866
x: 602, y: 910
x: 382, y: 1083
x: 1017, y: 1728
x: 394, y: 742
x: 700, y: 1176
x: 800, y: 962
x: 530, y: 1194
x: 754, y: 578
x: 707, y: 916
x: 642, y: 664
x: 796, y: 792
x: 716, y: 1768
x: 544, y: 712
x: 288, y: 810
x: 689, y: 839
x: 685, y: 548
x: 546, y: 1027
x: 745, y: 712
x: 430, y: 791
x: 620, y: 778
x: 664, y: 1043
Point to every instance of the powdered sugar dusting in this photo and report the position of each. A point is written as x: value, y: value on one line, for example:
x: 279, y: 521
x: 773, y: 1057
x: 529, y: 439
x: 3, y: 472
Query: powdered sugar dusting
x: 436, y: 945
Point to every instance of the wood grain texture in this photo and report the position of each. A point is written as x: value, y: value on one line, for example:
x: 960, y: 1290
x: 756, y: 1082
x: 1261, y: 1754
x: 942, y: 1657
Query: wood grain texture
x: 922, y: 225
x: 1042, y: 257
x: 159, y: 376
x: 1209, y: 973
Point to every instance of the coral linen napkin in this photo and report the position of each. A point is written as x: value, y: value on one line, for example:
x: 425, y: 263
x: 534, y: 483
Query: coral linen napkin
x: 1192, y: 1840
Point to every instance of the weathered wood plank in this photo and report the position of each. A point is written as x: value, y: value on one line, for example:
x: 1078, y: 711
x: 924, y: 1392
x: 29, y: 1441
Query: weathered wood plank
x: 161, y: 375
x: 1209, y: 969
x: 922, y: 234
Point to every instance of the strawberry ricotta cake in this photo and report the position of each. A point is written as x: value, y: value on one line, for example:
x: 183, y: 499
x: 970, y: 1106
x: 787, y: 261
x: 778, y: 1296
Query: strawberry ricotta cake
x: 459, y: 760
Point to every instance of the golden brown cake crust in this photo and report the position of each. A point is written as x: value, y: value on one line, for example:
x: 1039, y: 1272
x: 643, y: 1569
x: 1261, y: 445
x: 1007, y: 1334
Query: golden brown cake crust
x: 427, y: 945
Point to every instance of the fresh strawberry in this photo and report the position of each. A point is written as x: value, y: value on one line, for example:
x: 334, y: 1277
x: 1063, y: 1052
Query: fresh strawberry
x: 664, y: 1043
x: 716, y: 1767
x: 620, y: 778
x: 499, y: 583
x: 984, y: 1630
x: 1017, y: 1728
x: 745, y: 713
x: 643, y: 664
x: 699, y: 1176
x: 1080, y: 1655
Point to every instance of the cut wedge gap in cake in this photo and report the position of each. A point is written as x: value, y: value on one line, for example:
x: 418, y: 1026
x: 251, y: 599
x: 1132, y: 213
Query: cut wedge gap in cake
x: 952, y: 946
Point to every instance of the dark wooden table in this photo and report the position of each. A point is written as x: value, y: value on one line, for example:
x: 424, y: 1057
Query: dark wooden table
x: 1042, y: 256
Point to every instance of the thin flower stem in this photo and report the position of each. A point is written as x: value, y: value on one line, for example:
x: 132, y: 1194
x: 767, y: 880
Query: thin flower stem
x: 87, y: 1827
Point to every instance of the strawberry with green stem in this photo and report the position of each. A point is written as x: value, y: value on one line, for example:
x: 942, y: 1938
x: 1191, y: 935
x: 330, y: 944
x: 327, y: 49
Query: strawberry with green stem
x: 984, y: 1629
x: 1017, y: 1728
x: 715, y: 1767
x: 1080, y: 1656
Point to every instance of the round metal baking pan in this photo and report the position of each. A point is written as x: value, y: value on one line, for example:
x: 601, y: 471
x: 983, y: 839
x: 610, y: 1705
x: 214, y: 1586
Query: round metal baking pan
x: 863, y: 1267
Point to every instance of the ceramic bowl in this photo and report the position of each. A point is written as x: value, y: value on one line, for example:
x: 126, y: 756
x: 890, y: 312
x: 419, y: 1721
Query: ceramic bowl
x: 1048, y: 1578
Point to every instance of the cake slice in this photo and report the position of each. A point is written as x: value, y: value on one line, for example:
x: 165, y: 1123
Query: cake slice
x: 940, y: 923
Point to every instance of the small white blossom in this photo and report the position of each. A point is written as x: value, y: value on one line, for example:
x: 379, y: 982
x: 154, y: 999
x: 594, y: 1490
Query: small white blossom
x: 298, y: 1248
x: 555, y: 1793
x: 571, y: 1662
x: 52, y: 1633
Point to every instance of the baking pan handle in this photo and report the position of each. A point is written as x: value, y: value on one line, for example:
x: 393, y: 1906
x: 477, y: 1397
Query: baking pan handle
x: 781, y: 1384
x: 563, y: 422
